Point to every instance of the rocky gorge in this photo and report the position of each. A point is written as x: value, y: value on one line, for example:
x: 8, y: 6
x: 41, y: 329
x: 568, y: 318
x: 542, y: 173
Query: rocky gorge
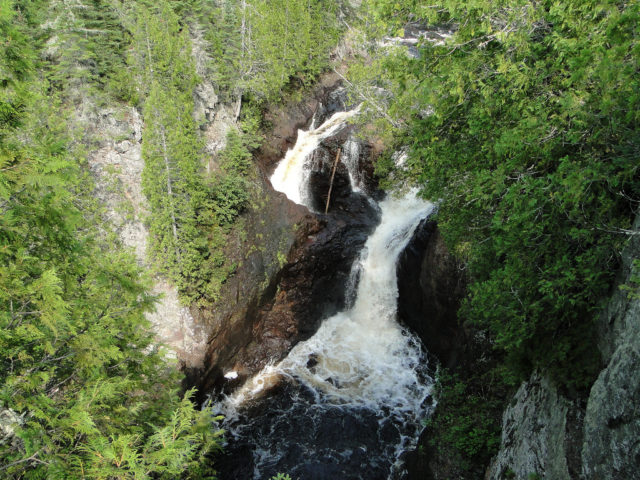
x: 366, y: 240
x: 547, y: 432
x: 297, y: 275
x: 293, y: 266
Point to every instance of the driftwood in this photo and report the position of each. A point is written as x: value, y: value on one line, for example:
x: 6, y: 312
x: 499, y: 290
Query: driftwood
x: 333, y: 174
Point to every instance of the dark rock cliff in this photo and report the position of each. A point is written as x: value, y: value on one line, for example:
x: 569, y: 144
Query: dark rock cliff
x: 431, y: 285
x: 545, y: 433
x: 293, y: 265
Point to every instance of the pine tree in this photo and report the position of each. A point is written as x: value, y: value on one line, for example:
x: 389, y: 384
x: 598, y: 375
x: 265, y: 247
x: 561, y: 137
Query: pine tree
x: 171, y: 177
x: 524, y: 123
x: 92, y: 394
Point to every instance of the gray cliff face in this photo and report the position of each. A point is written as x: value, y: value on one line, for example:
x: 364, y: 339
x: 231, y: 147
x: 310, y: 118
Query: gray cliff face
x: 9, y: 422
x: 534, y: 433
x: 612, y: 422
x: 115, y: 159
x: 619, y: 323
x: 116, y: 165
x: 550, y: 436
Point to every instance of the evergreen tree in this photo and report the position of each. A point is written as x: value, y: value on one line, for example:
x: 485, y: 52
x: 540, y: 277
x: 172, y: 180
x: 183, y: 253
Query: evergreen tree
x: 91, y: 394
x: 258, y: 46
x: 171, y: 177
x: 87, y: 41
x: 525, y: 124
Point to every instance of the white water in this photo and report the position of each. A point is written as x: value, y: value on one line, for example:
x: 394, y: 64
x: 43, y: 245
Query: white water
x: 369, y: 359
x: 291, y: 175
x: 365, y: 359
x: 360, y: 359
x: 351, y: 158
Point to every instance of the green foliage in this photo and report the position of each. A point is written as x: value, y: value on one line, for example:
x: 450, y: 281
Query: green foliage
x: 78, y: 360
x: 77, y: 353
x: 632, y: 287
x: 161, y: 51
x: 87, y: 42
x: 17, y: 57
x: 466, y: 423
x: 281, y: 476
x: 524, y: 123
x: 231, y: 187
x: 171, y: 179
x: 190, y: 214
x: 258, y: 46
x: 185, y: 239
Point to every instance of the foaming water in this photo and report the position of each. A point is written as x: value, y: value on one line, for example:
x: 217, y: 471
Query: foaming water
x: 361, y: 373
x: 369, y: 359
x: 350, y: 158
x: 291, y: 175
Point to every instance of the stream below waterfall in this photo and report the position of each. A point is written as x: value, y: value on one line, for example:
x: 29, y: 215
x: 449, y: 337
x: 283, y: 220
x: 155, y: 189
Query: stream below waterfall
x: 347, y: 402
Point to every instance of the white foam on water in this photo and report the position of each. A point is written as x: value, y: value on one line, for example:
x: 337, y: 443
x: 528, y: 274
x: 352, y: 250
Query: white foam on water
x: 364, y: 357
x: 292, y: 173
x: 351, y: 158
x: 360, y: 358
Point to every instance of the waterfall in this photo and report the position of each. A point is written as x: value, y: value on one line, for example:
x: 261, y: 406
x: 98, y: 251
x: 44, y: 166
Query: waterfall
x: 351, y: 158
x: 362, y: 356
x: 350, y: 400
x: 291, y: 175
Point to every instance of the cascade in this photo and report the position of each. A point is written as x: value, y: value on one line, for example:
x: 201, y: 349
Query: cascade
x: 351, y: 399
x: 292, y: 173
x: 350, y: 158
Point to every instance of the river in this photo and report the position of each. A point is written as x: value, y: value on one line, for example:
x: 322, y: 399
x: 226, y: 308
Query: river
x: 350, y: 400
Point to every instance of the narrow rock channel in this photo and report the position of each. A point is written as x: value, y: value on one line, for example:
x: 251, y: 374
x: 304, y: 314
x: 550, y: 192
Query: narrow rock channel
x: 347, y: 402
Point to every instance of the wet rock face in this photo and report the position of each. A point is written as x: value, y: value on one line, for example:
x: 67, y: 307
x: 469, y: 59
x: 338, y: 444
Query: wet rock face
x: 431, y: 286
x: 313, y: 281
x: 343, y: 198
x: 284, y: 288
x: 353, y: 160
x: 293, y: 265
x: 287, y: 119
x: 271, y: 229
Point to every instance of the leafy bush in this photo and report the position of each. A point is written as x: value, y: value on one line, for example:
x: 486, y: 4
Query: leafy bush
x: 467, y: 422
x: 524, y: 124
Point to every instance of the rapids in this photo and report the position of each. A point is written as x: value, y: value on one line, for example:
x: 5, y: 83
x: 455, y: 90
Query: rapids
x: 350, y: 400
x: 292, y: 173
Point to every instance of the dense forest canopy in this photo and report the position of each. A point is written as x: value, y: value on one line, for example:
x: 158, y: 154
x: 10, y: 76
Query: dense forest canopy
x: 85, y: 391
x: 524, y: 124
x: 521, y: 118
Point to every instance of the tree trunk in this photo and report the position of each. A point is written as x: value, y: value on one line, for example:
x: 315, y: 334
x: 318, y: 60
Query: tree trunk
x: 333, y: 174
x: 174, y: 226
